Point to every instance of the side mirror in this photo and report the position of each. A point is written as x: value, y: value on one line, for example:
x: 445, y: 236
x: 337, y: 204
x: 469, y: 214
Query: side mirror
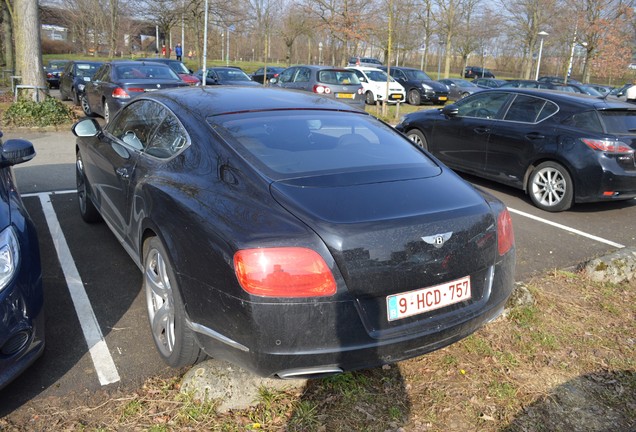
x: 273, y: 80
x: 450, y: 110
x: 16, y: 151
x: 87, y: 127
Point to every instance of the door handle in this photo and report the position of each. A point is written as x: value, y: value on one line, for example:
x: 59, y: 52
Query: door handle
x: 481, y: 130
x: 535, y: 136
x: 122, y: 172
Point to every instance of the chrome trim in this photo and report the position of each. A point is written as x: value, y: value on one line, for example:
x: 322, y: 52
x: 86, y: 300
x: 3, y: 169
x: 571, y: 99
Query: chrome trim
x: 309, y: 372
x: 214, y: 335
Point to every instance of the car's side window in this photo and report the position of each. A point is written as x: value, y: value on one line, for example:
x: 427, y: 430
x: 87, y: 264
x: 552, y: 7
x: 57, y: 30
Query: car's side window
x: 303, y: 75
x: 587, y: 120
x: 286, y: 75
x: 525, y: 109
x: 482, y: 105
x: 134, y: 125
x: 168, y: 138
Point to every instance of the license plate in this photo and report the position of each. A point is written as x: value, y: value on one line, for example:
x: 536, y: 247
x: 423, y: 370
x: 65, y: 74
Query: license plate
x: 396, y: 96
x: 443, y: 98
x: 427, y: 299
x: 345, y: 95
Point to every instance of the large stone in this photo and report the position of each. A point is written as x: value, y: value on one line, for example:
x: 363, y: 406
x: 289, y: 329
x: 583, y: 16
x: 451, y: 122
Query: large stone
x: 617, y: 267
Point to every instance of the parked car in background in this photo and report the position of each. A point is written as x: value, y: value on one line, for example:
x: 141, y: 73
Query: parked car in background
x: 520, y: 83
x: 272, y: 72
x: 374, y: 82
x: 459, y: 88
x: 327, y: 81
x: 560, y: 148
x: 601, y: 88
x: 319, y: 240
x: 115, y: 83
x: 22, y: 322
x: 364, y: 61
x: 488, y: 82
x: 52, y: 71
x: 477, y: 72
x: 226, y: 76
x: 178, y: 67
x: 578, y: 88
x: 619, y: 92
x: 557, y: 80
x: 74, y: 78
x: 419, y: 87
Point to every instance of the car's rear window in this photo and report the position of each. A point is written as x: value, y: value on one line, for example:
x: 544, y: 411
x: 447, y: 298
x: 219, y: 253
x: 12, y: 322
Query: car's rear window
x: 146, y: 70
x: 287, y: 143
x: 335, y: 76
x: 619, y: 121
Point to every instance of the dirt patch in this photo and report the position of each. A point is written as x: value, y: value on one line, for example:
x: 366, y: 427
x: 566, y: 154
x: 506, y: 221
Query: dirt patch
x: 563, y: 361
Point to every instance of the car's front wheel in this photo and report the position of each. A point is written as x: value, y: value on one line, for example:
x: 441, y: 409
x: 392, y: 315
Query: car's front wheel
x: 414, y: 97
x: 86, y: 207
x: 550, y: 187
x: 175, y: 341
x: 418, y: 138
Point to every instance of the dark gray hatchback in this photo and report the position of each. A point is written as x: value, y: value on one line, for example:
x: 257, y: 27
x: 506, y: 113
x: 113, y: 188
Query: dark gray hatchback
x: 560, y: 148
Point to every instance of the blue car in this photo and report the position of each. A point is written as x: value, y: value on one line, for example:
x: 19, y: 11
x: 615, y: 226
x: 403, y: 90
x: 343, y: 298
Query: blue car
x: 21, y: 295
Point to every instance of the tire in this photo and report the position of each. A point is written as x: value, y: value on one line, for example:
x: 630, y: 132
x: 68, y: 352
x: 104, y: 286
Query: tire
x: 174, y: 340
x: 369, y: 99
x: 86, y: 107
x: 86, y: 207
x: 418, y: 138
x: 550, y: 187
x: 414, y: 97
x: 106, y: 111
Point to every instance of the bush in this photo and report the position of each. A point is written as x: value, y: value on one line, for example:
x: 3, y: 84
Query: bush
x: 27, y: 113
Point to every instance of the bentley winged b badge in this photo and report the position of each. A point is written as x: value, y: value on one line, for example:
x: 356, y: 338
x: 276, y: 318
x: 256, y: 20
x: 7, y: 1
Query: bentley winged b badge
x: 438, y: 240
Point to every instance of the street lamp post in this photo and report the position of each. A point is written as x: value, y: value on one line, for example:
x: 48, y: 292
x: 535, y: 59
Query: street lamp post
x: 439, y: 58
x: 319, y: 53
x: 542, y: 34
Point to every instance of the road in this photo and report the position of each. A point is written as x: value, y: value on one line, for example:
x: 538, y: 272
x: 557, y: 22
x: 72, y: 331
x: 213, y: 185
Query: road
x: 107, y: 345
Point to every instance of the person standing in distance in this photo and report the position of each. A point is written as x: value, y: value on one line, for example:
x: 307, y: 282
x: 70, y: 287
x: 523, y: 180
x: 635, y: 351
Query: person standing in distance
x: 178, y: 51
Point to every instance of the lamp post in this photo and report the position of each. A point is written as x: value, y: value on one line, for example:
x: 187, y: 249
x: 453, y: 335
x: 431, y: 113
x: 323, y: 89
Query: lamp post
x: 439, y: 58
x: 542, y: 34
x: 319, y: 53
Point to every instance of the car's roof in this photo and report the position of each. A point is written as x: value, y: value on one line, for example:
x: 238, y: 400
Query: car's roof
x: 216, y: 100
x: 365, y: 68
x: 135, y: 63
x: 159, y: 60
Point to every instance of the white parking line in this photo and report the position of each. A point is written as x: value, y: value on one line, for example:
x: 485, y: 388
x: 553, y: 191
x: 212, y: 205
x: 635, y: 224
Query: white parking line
x: 102, y: 360
x: 566, y: 228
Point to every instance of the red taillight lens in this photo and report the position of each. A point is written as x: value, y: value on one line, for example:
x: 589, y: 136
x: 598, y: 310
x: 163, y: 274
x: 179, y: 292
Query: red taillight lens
x: 360, y: 91
x: 608, y: 146
x: 505, y: 234
x: 120, y: 93
x: 320, y: 89
x: 284, y: 272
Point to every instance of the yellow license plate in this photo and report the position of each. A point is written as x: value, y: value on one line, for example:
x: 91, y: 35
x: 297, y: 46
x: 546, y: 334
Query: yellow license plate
x: 443, y: 98
x: 345, y: 95
x: 396, y: 96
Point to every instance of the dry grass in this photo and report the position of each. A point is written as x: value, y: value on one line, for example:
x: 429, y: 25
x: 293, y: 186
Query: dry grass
x: 565, y: 363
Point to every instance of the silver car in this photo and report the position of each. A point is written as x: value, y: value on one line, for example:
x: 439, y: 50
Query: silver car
x: 335, y: 83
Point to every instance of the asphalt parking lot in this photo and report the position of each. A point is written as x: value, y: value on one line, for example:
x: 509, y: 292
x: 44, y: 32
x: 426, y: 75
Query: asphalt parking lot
x: 97, y: 330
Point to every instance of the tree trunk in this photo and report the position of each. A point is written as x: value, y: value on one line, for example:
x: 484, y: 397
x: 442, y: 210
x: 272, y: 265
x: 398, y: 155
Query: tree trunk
x: 27, y: 44
x: 7, y: 30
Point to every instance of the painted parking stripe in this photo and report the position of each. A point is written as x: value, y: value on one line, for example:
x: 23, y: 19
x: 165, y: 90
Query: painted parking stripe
x: 566, y: 228
x: 102, y: 360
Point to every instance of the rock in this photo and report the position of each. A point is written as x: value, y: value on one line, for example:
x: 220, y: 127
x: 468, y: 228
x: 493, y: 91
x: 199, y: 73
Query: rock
x: 617, y: 267
x: 231, y: 386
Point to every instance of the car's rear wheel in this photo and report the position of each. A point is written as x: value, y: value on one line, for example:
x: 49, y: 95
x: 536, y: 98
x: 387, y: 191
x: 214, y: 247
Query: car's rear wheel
x: 175, y: 341
x: 370, y: 100
x: 86, y: 207
x: 550, y: 187
x: 86, y: 107
x: 414, y: 97
x: 418, y: 138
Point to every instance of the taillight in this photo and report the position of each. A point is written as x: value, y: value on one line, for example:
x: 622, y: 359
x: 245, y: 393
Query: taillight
x: 284, y: 272
x: 505, y: 234
x: 608, y: 146
x: 120, y: 93
x: 320, y: 89
x: 360, y: 91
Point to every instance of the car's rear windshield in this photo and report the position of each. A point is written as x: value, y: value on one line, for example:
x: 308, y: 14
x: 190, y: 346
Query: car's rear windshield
x: 285, y: 144
x: 619, y: 121
x: 338, y: 76
x: 143, y: 71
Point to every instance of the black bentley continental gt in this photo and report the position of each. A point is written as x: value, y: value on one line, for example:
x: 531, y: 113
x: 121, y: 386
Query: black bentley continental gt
x: 291, y: 234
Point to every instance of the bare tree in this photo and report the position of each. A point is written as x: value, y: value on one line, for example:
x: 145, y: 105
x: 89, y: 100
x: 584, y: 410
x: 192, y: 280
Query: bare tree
x: 447, y: 16
x: 295, y: 24
x: 7, y: 32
